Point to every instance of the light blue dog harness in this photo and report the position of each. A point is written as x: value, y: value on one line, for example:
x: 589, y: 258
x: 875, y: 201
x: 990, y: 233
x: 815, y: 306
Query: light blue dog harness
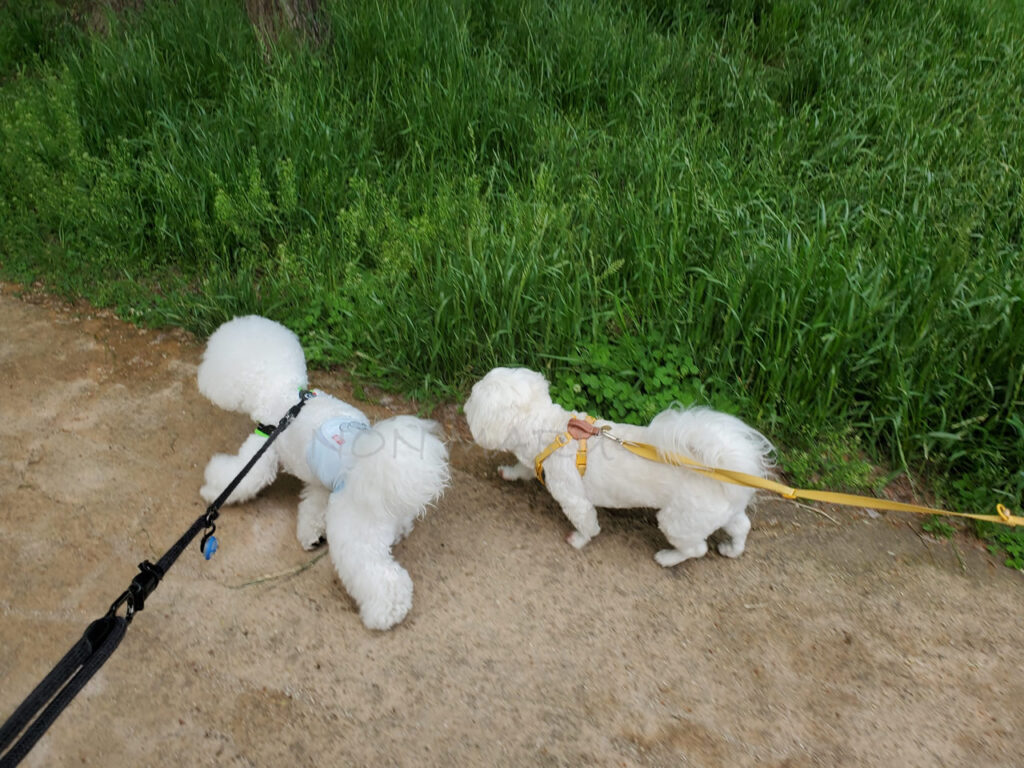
x: 330, y: 454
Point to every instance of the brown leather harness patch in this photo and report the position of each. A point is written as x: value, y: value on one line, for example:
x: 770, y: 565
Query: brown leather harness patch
x: 579, y: 429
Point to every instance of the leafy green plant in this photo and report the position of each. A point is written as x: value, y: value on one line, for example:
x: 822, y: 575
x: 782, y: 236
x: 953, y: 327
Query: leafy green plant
x: 631, y: 381
x: 1008, y: 542
x: 830, y: 460
x: 1003, y: 540
x: 936, y: 526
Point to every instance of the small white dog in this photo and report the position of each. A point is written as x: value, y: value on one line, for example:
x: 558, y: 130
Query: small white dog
x: 510, y: 409
x: 364, y: 485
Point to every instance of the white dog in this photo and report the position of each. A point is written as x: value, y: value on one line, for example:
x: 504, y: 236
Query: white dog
x: 510, y: 409
x: 364, y: 485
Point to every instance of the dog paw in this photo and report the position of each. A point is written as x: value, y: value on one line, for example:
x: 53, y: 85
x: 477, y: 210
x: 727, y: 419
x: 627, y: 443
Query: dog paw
x: 390, y: 603
x: 508, y: 472
x: 666, y: 558
x: 311, y: 542
x: 577, y: 539
x: 209, y: 493
x: 729, y: 549
x: 310, y: 534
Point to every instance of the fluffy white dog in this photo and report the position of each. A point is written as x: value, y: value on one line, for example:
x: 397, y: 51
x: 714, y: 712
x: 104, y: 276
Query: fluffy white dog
x: 510, y: 409
x: 363, y: 485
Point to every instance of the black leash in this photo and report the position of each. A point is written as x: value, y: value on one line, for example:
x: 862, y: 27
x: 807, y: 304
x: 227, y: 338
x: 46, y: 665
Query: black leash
x: 103, y: 636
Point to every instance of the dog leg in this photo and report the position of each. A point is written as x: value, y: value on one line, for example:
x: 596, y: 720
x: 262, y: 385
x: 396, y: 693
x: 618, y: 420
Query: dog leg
x: 401, y: 469
x: 737, y: 528
x: 222, y: 469
x: 360, y: 548
x: 380, y: 587
x: 583, y: 516
x: 687, y: 525
x: 312, y: 521
x: 566, y: 487
x: 515, y: 472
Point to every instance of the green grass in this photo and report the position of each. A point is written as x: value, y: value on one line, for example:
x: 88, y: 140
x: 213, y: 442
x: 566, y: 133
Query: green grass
x: 807, y: 214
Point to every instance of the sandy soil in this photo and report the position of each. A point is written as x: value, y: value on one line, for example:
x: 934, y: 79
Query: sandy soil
x: 835, y: 640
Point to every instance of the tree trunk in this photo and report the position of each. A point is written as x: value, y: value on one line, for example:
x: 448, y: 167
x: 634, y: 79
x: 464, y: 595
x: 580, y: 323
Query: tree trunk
x: 304, y: 17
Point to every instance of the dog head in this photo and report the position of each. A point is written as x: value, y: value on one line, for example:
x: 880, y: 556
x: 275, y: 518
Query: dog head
x: 253, y: 365
x: 501, y: 402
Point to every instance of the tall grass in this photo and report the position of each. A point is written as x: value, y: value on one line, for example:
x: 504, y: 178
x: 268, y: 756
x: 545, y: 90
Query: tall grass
x: 806, y: 213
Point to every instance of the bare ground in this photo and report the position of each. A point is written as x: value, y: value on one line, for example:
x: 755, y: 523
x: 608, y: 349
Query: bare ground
x: 835, y: 640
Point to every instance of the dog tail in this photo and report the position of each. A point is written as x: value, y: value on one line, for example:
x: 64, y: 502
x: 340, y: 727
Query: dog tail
x: 713, y: 438
x: 401, y: 468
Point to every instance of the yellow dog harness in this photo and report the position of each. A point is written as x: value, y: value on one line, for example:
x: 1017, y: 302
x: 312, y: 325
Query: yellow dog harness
x: 577, y: 429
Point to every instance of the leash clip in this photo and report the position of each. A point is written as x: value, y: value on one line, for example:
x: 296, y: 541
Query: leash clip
x: 121, y: 600
x: 606, y: 431
x: 141, y: 587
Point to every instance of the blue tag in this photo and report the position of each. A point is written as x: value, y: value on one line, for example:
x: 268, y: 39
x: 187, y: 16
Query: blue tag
x: 210, y: 547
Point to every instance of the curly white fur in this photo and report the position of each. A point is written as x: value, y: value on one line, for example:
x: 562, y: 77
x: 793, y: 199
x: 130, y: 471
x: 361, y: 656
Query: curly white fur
x: 510, y: 409
x: 255, y: 366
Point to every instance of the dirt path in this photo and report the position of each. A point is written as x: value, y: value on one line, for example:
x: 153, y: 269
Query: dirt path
x: 851, y: 641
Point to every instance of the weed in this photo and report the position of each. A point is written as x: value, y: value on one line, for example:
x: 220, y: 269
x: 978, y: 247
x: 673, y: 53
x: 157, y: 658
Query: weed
x: 830, y: 459
x: 936, y: 526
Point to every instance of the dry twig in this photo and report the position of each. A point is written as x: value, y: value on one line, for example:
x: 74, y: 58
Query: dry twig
x: 281, y: 574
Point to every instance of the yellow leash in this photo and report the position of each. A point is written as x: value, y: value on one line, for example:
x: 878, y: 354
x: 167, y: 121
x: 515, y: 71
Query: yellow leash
x: 580, y: 432
x: 845, y: 499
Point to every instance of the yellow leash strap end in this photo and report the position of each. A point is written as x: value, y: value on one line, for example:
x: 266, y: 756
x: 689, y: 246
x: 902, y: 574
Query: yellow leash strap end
x: 581, y: 457
x: 1008, y: 517
x: 579, y: 430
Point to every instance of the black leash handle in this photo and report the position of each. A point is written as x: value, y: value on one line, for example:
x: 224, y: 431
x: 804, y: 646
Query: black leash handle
x: 60, y: 687
x: 102, y: 636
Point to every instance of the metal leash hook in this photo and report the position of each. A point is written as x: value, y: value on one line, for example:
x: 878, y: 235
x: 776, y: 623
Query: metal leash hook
x: 142, y: 586
x: 121, y: 600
